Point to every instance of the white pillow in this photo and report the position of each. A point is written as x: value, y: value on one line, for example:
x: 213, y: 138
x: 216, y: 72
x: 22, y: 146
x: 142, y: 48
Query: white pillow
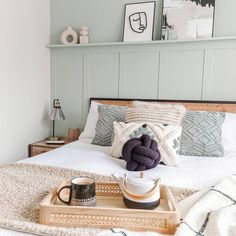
x: 229, y: 133
x: 167, y: 137
x: 89, y: 131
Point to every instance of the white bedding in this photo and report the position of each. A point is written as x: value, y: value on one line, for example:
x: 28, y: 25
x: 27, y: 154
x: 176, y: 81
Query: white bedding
x: 194, y: 173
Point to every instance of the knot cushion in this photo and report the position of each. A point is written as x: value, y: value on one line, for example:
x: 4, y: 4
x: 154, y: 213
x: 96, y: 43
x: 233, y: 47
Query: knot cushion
x: 141, y: 153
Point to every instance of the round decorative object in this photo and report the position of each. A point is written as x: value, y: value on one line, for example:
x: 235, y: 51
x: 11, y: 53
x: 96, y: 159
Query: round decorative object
x: 141, y: 153
x: 69, y: 36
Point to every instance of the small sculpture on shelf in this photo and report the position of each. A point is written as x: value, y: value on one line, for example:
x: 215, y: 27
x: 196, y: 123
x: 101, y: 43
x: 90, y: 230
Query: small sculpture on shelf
x: 69, y: 36
x: 83, y: 38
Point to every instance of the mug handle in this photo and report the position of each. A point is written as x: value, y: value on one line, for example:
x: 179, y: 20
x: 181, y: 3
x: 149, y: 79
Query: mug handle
x: 59, y: 192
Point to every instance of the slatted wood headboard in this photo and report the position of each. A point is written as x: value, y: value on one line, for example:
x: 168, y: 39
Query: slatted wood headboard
x: 217, y: 106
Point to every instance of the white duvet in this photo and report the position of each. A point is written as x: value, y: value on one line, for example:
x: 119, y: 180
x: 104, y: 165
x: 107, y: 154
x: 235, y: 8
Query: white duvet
x: 194, y: 173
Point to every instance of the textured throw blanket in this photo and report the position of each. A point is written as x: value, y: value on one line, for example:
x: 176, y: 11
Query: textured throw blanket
x: 22, y: 188
x: 214, y: 214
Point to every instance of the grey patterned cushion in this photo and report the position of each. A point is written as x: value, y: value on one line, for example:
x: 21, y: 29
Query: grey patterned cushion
x: 104, y: 128
x: 202, y: 134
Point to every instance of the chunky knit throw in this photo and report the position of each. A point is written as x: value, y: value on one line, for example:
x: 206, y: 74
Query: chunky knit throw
x: 141, y: 153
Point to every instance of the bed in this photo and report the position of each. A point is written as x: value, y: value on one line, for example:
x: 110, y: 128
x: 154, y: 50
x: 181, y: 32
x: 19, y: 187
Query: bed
x: 195, y: 172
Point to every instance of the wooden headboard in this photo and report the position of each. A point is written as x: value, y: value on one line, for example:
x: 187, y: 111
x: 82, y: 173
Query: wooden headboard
x: 217, y: 106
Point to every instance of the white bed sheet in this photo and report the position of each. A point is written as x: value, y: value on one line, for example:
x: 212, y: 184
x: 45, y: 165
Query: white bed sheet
x: 194, y: 173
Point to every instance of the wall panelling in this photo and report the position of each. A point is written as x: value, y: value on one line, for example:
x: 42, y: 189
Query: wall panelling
x: 195, y: 70
x: 140, y: 74
x: 221, y: 81
x: 67, y: 83
x: 181, y: 72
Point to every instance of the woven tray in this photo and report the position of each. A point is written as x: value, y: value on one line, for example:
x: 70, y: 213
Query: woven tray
x: 110, y: 211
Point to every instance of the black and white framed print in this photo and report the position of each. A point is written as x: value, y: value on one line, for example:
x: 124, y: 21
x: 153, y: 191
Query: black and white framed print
x: 187, y: 19
x: 139, y: 21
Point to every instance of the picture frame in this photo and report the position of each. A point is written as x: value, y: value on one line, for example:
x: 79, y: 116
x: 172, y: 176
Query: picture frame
x: 179, y: 24
x: 139, y: 21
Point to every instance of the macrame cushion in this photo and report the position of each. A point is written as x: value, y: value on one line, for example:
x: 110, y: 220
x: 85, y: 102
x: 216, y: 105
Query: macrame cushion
x: 167, y: 138
x: 154, y: 116
x: 172, y: 107
x: 141, y: 153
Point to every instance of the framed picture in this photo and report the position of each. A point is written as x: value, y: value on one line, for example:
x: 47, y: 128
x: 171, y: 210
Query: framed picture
x: 139, y: 21
x: 188, y: 19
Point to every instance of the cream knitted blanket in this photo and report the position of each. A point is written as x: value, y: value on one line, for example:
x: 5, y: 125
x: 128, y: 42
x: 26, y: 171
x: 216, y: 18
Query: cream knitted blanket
x: 22, y: 188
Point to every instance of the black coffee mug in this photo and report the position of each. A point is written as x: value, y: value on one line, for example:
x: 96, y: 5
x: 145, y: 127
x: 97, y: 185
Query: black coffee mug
x: 82, y: 192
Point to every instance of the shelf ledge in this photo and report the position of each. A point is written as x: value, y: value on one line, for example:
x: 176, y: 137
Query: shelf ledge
x: 156, y: 42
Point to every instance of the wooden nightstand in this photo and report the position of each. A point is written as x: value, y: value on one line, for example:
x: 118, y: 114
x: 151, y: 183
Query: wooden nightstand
x: 41, y: 147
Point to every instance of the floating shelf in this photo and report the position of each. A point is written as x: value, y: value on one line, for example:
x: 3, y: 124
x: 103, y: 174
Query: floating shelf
x: 141, y: 43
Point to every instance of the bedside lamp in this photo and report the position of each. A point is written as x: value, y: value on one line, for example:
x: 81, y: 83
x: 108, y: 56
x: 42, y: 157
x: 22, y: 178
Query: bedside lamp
x: 56, y: 114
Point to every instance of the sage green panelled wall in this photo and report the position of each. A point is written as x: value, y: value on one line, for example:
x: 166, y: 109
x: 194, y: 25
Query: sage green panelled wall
x: 191, y: 70
x: 67, y: 84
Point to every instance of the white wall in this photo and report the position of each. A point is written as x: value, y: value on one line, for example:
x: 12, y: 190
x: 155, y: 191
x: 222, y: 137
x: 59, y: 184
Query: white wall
x: 24, y: 76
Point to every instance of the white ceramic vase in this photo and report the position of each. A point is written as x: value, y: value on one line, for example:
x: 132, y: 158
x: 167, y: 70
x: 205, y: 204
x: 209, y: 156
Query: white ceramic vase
x: 69, y: 36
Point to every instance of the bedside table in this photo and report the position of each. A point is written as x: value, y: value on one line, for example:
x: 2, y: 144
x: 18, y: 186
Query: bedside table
x: 42, y: 147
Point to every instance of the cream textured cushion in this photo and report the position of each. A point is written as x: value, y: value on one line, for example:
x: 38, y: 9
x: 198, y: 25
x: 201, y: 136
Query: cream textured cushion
x: 167, y: 138
x: 154, y: 116
x: 160, y: 106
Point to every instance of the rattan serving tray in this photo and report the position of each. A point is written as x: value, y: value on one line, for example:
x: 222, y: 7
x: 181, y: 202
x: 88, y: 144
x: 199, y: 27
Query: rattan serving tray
x: 110, y: 212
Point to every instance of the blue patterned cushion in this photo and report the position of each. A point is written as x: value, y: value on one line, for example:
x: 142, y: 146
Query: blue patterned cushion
x: 104, y: 128
x: 202, y: 134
